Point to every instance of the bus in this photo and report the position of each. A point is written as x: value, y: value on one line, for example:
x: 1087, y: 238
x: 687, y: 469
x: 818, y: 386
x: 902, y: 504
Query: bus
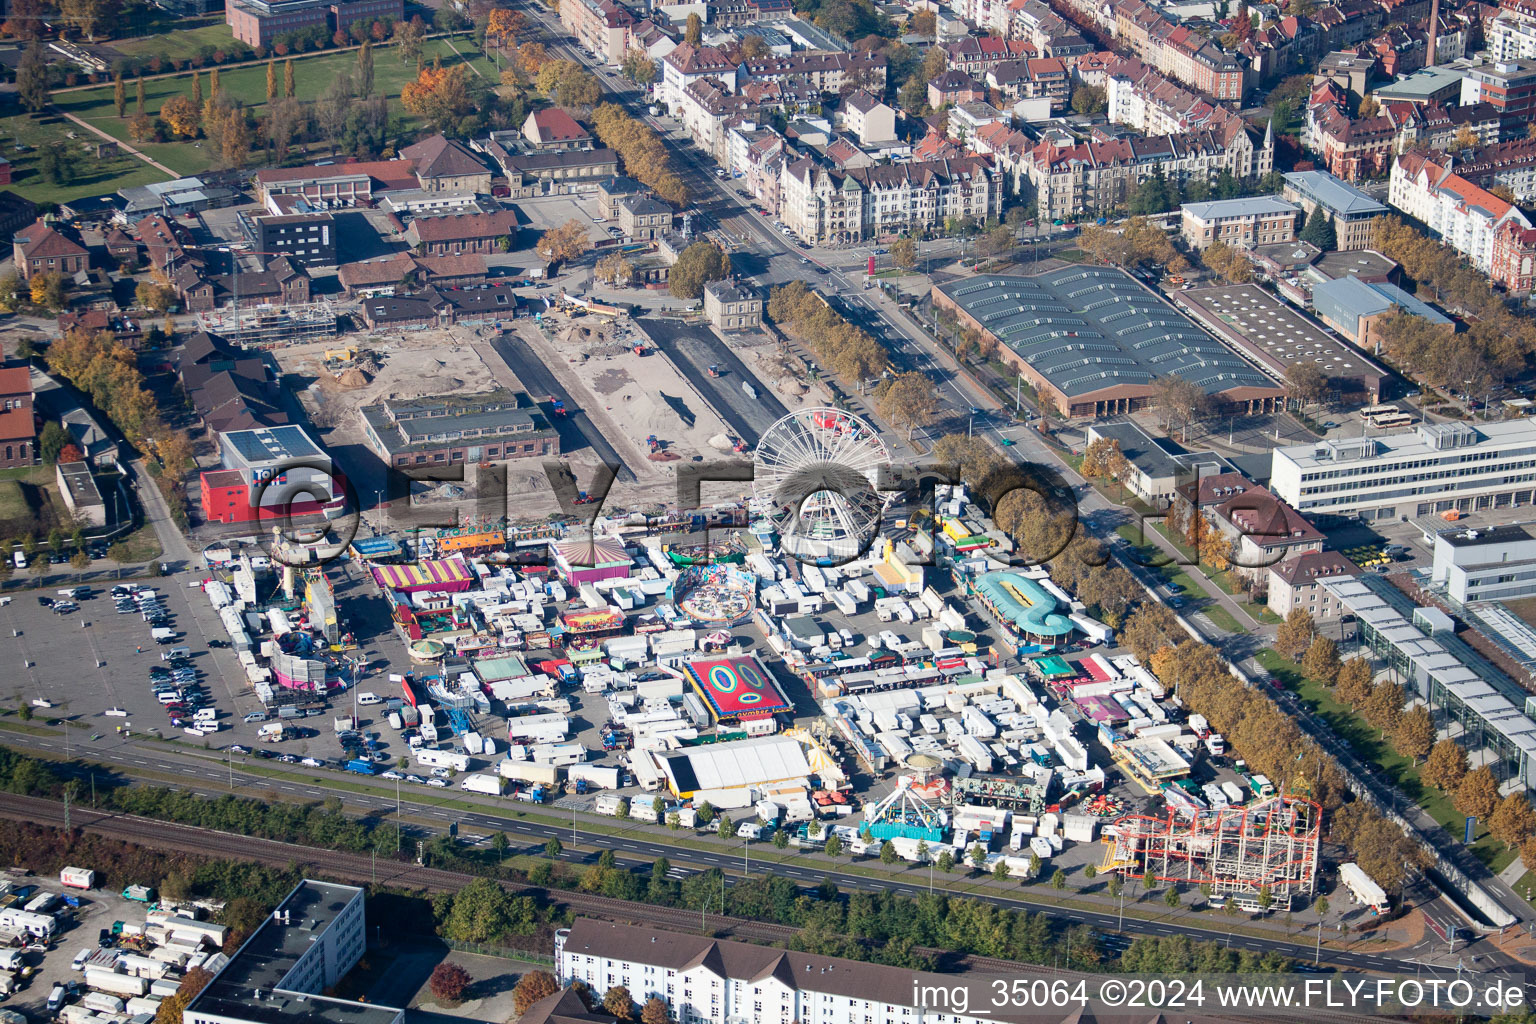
x: 1393, y: 422
x: 1372, y: 411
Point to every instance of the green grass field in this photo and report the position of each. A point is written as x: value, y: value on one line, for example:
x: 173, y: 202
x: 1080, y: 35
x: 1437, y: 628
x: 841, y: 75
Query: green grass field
x: 92, y: 176
x: 1368, y: 745
x: 180, y: 44
x: 312, y: 75
x: 13, y: 503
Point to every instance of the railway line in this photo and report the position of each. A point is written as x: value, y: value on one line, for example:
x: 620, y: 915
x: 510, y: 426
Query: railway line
x: 359, y: 869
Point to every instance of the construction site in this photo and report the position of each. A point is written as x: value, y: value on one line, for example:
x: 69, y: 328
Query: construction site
x: 1262, y: 856
x: 267, y: 328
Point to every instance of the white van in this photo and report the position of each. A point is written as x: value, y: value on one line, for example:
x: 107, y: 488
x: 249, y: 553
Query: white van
x: 175, y: 652
x: 71, y: 593
x: 366, y: 698
x: 19, y: 558
x: 162, y: 634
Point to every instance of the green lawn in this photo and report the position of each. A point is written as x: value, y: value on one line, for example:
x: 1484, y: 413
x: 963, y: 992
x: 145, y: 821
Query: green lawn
x: 92, y: 176
x: 13, y: 503
x: 1368, y: 745
x: 312, y: 74
x: 181, y: 43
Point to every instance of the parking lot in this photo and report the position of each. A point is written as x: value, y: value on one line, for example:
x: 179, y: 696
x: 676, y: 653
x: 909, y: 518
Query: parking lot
x: 79, y: 929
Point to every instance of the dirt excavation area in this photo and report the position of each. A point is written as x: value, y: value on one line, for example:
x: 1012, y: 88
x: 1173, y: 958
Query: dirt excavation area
x: 644, y: 396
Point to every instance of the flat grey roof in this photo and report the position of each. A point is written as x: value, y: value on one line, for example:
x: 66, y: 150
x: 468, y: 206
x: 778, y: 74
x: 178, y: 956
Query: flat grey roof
x: 268, y: 443
x: 1353, y: 263
x: 270, y: 954
x: 1157, y: 457
x: 1481, y: 537
x: 1274, y: 333
x: 1089, y: 328
x: 1254, y: 207
x: 1338, y: 196
x: 1420, y: 85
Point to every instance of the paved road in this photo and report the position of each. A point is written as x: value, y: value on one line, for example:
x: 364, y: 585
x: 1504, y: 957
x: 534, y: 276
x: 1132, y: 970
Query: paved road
x: 693, y: 350
x: 577, y: 425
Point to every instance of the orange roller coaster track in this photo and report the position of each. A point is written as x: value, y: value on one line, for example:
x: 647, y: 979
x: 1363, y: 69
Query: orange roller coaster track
x: 1236, y: 850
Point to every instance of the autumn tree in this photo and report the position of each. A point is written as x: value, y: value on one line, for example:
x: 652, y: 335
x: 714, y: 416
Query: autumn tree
x: 1089, y: 99
x: 1305, y: 383
x: 1478, y: 793
x: 640, y: 69
x: 182, y: 116
x: 408, y: 36
x: 614, y: 270
x: 1446, y: 766
x: 617, y: 1002
x: 1179, y: 401
x: 119, y: 95
x: 530, y: 988
x: 441, y: 97
x: 1513, y: 820
x: 1295, y: 634
x: 568, y: 84
x: 1384, y: 707
x: 693, y: 29
x: 1415, y: 735
x: 448, y: 983
x: 1103, y: 458
x: 696, y: 266
x: 907, y: 400
x: 564, y: 243
x: 138, y: 96
x: 1230, y: 263
x: 1353, y: 683
x: 503, y: 26
x: 1321, y: 662
x: 904, y: 253
x: 655, y: 1010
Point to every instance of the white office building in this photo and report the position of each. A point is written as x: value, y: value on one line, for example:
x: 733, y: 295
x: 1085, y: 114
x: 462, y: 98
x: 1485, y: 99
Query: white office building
x: 313, y: 938
x: 711, y: 980
x: 1497, y: 564
x: 1432, y: 468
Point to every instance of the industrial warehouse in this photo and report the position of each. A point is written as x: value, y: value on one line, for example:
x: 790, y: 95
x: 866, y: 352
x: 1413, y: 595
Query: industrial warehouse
x: 1093, y: 340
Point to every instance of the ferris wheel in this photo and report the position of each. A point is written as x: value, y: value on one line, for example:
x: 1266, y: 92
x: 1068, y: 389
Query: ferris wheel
x: 816, y: 473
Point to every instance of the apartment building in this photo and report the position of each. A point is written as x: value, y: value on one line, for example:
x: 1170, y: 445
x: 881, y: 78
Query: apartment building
x: 602, y: 27
x: 688, y: 64
x: 715, y: 981
x: 1094, y: 177
x: 1144, y: 99
x: 823, y: 204
x: 824, y: 72
x: 730, y: 306
x: 976, y: 55
x: 1246, y: 223
x: 1348, y: 209
x: 1509, y: 85
x: 41, y: 249
x: 1511, y: 34
x: 1433, y: 468
x: 1297, y: 583
x: 1511, y: 164
x: 1513, y: 262
x: 1178, y: 51
x: 1461, y: 214
x: 872, y: 121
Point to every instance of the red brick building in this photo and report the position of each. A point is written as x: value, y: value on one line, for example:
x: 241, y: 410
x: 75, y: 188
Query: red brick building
x: 18, y: 429
x: 1514, y: 257
x: 40, y: 249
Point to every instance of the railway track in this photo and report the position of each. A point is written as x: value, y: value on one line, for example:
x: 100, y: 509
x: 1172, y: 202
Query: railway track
x: 360, y: 869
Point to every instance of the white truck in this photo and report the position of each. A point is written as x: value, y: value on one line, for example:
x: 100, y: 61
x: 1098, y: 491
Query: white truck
x: 103, y: 980
x: 596, y: 776
x: 450, y: 759
x: 102, y: 1002
x: 490, y: 785
x: 1363, y: 888
x: 528, y: 771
